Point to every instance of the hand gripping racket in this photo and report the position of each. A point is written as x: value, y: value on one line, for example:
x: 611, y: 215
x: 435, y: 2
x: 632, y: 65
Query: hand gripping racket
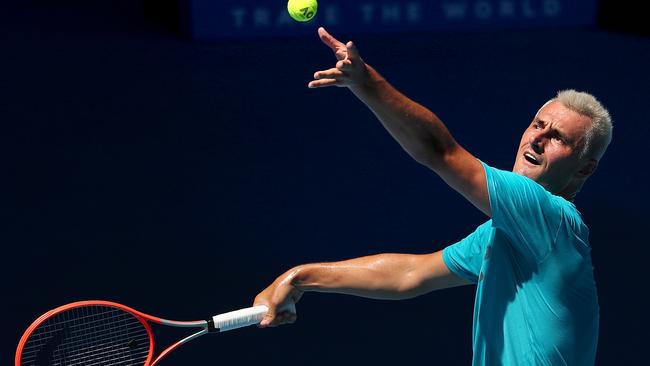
x: 95, y: 333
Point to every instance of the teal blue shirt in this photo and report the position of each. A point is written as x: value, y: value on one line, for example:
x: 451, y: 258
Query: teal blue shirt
x: 536, y: 300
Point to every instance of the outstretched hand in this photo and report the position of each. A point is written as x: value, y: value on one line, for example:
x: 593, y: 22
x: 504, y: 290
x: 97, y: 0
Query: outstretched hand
x: 281, y: 298
x: 350, y: 70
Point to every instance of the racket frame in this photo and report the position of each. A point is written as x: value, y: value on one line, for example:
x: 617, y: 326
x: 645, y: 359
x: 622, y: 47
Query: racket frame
x: 207, y: 326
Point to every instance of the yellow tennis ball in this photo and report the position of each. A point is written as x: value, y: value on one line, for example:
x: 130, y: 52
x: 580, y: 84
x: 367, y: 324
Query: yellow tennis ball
x: 302, y: 10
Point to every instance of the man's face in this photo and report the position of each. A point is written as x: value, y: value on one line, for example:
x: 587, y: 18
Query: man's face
x: 549, y: 151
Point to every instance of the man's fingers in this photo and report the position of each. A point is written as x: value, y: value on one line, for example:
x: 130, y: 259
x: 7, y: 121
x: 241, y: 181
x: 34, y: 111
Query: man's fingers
x: 332, y: 73
x: 353, y: 53
x: 269, y: 318
x: 282, y: 318
x: 286, y: 317
x: 330, y: 77
x: 344, y: 65
x: 324, y: 83
x: 330, y: 41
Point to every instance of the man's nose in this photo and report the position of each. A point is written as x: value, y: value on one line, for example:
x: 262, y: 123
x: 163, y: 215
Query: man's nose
x: 537, y: 142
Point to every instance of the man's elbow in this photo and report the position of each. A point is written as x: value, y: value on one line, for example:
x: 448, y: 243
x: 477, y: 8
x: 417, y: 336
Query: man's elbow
x: 434, y: 158
x: 410, y: 286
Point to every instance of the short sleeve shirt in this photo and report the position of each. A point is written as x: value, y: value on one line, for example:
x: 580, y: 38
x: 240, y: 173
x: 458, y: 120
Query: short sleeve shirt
x: 536, y: 300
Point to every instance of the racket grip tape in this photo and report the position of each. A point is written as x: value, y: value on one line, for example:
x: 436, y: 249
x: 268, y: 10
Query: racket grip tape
x: 238, y: 318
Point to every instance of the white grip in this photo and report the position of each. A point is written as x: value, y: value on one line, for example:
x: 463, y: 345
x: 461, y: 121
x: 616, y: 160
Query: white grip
x: 239, y: 318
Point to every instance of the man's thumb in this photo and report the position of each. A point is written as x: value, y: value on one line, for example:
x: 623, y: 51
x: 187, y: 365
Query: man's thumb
x: 353, y: 53
x: 268, y: 317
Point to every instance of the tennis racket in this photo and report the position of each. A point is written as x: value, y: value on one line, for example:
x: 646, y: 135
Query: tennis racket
x: 107, y: 333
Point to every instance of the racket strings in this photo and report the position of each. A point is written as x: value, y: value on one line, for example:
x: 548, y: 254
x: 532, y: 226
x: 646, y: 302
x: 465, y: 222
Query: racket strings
x: 89, y: 335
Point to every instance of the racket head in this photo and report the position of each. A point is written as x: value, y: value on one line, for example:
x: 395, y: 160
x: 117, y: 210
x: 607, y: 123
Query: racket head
x: 85, y: 331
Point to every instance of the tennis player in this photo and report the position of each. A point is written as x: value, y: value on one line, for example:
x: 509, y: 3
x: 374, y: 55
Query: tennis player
x: 536, y: 300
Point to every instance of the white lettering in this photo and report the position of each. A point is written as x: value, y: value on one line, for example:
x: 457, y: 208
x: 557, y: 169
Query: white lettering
x: 507, y: 9
x: 483, y: 10
x: 331, y: 15
x: 261, y: 17
x: 393, y: 12
x: 238, y: 15
x: 390, y: 13
x: 284, y: 20
x: 367, y: 11
x: 527, y: 10
x: 551, y: 8
x: 454, y: 10
x: 413, y: 12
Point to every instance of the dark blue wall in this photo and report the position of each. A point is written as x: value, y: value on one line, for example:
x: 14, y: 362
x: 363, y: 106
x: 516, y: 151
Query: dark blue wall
x: 180, y: 178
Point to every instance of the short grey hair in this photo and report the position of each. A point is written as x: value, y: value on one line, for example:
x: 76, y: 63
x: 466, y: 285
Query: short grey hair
x: 599, y: 134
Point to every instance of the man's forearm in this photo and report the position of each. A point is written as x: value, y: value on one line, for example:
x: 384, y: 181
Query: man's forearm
x: 382, y: 276
x: 418, y: 130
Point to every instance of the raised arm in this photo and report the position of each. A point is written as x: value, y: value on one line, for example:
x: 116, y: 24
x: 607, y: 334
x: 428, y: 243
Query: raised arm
x: 418, y: 130
x: 383, y: 276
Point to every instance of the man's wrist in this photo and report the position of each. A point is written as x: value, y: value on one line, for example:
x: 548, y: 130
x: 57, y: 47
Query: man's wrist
x: 299, y: 277
x: 369, y: 83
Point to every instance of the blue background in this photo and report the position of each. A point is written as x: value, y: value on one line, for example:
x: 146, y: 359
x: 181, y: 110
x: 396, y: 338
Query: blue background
x: 207, y: 19
x: 182, y: 177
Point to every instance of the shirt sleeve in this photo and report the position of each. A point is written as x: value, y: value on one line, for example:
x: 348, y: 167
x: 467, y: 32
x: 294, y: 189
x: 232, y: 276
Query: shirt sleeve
x: 466, y: 256
x: 526, y: 212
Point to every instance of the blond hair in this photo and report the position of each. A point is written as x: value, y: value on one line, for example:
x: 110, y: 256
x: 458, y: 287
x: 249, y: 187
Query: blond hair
x: 599, y: 134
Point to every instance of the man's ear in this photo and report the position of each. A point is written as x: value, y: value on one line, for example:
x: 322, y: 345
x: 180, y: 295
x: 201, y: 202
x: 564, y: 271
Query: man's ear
x: 588, y: 168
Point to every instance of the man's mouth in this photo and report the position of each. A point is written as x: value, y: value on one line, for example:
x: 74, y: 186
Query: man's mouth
x: 531, y: 158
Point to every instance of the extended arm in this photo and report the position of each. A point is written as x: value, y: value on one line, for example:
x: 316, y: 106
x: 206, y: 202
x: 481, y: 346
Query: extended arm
x: 418, y: 130
x: 383, y: 276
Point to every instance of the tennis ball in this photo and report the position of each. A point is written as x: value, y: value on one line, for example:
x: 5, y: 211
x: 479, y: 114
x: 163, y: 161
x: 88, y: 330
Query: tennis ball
x: 302, y: 10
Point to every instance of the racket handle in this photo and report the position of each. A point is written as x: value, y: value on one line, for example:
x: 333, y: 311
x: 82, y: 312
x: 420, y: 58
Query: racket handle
x: 239, y: 318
